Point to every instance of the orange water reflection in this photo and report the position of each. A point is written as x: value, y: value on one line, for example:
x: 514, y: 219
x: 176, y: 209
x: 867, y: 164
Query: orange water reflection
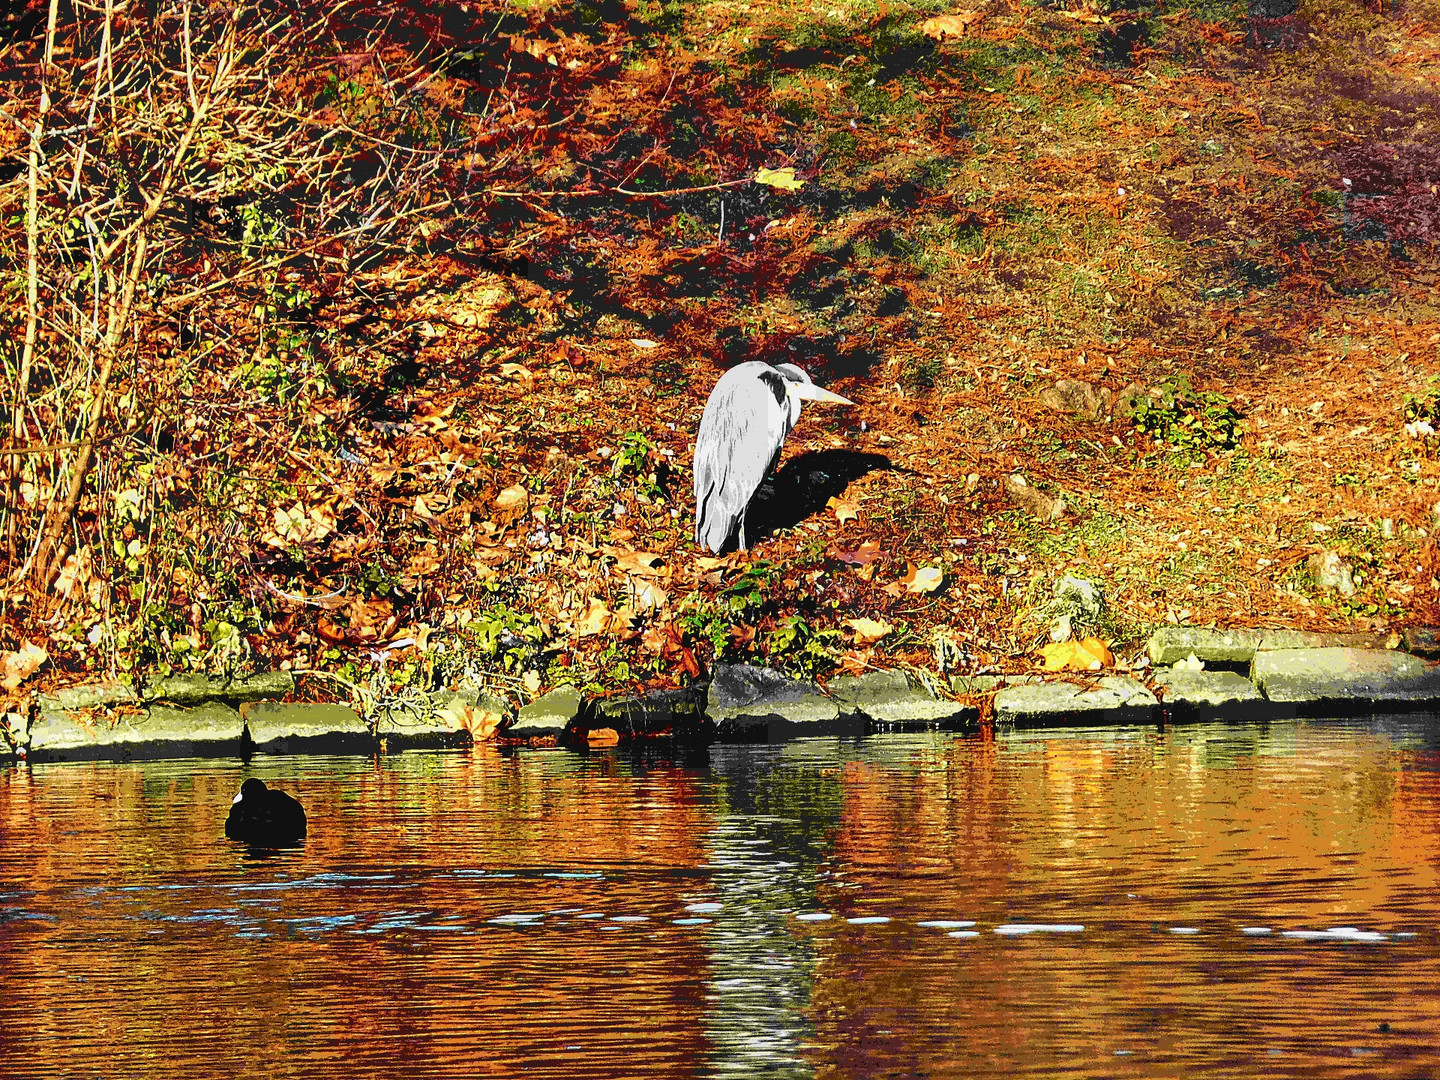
x: 136, y: 941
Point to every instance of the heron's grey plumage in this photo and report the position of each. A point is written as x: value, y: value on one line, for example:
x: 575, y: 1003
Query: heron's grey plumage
x: 749, y: 413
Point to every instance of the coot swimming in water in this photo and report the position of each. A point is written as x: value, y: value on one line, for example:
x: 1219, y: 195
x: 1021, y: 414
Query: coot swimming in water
x: 265, y: 818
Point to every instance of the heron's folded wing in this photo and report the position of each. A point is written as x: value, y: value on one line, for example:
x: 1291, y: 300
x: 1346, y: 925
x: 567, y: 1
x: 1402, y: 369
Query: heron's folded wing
x: 740, y: 432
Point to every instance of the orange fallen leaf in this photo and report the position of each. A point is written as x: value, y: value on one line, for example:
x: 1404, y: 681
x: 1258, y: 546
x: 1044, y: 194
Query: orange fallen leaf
x: 512, y: 503
x: 655, y: 639
x: 646, y: 596
x: 484, y: 723
x: 596, y: 619
x: 603, y: 736
x: 957, y: 25
x: 864, y: 555
x: 644, y: 563
x: 297, y: 525
x: 480, y: 722
x: 844, y: 510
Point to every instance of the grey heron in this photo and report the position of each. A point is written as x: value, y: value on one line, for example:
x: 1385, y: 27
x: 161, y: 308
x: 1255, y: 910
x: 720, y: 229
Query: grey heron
x: 749, y: 413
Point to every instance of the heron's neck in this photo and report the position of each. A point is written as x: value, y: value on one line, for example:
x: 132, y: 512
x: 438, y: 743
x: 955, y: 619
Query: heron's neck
x: 793, y: 403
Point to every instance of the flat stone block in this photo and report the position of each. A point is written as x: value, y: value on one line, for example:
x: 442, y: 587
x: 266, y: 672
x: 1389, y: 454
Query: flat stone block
x: 547, y: 715
x: 1329, y: 680
x: 404, y: 730
x: 1210, y: 695
x: 1304, y: 639
x: 1113, y: 700
x: 892, y: 701
x: 91, y: 695
x: 677, y: 713
x: 189, y: 689
x: 211, y: 730
x: 1171, y: 644
x: 750, y: 704
x: 301, y: 728
x: 988, y: 684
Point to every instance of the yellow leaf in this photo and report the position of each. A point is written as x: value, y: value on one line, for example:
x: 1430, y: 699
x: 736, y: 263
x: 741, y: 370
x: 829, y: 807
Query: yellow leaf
x: 924, y: 579
x: 868, y: 631
x: 16, y: 667
x: 784, y: 179
x: 481, y: 722
x: 844, y: 510
x: 290, y: 524
x: 1087, y: 654
x: 76, y: 571
x: 322, y: 521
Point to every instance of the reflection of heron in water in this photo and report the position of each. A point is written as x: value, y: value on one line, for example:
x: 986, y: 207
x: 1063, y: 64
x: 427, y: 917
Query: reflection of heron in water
x: 764, y: 852
x: 749, y: 413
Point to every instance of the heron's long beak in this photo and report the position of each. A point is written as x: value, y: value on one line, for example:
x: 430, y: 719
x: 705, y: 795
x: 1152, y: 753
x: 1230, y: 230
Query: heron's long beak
x: 811, y: 392
x: 236, y: 799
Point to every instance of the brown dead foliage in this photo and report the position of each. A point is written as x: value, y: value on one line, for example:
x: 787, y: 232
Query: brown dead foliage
x: 468, y: 432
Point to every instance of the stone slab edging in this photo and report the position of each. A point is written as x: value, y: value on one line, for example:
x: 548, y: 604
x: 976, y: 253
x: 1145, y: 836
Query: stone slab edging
x: 1287, y: 674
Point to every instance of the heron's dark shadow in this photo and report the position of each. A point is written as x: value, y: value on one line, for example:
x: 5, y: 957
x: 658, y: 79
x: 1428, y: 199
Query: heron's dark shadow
x: 803, y: 486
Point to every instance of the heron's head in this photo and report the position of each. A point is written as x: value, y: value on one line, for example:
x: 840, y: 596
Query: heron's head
x: 799, y: 386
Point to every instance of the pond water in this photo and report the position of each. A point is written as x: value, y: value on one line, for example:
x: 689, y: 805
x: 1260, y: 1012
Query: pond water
x: 1195, y: 901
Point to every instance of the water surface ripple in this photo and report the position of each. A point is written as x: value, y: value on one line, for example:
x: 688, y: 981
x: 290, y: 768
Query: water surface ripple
x: 1196, y: 901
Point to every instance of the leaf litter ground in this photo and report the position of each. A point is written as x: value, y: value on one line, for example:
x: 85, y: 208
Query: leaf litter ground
x: 1134, y: 204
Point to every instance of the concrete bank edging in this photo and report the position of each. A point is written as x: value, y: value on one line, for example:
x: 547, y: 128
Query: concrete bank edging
x: 1286, y: 675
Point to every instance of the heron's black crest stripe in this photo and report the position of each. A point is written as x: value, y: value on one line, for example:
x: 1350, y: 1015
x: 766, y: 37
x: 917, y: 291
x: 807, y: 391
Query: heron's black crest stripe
x: 776, y: 382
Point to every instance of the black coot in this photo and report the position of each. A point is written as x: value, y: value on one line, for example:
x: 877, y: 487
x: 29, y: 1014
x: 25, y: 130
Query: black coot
x: 265, y: 818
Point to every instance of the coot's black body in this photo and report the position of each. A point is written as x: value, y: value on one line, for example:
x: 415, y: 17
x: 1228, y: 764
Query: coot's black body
x: 265, y: 818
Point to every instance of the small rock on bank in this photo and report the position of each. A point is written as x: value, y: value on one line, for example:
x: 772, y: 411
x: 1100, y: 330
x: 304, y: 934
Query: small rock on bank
x: 548, y: 715
x: 209, y: 730
x: 892, y: 701
x: 1329, y: 680
x: 678, y: 713
x: 750, y: 704
x: 1113, y: 699
x: 1209, y: 695
x: 273, y: 728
